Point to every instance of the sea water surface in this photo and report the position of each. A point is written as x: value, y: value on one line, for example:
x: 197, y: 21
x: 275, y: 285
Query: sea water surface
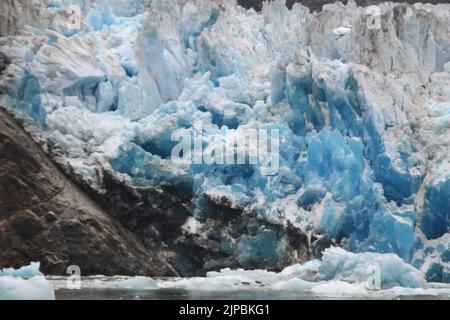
x: 108, y: 288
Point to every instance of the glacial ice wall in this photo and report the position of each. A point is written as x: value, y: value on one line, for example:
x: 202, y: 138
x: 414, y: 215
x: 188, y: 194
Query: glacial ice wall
x: 363, y: 113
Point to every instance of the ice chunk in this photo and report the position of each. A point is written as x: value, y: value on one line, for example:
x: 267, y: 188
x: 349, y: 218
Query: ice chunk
x: 214, y: 283
x: 339, y: 289
x: 294, y: 284
x: 24, y: 272
x: 342, y: 265
x: 137, y: 283
x: 447, y: 67
x: 35, y: 288
x: 25, y: 283
x: 436, y: 211
x: 308, y: 271
x: 342, y: 31
x: 105, y: 97
x: 393, y: 232
x: 100, y: 16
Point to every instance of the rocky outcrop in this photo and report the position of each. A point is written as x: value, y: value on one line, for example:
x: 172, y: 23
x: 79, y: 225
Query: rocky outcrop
x: 161, y: 218
x: 45, y: 217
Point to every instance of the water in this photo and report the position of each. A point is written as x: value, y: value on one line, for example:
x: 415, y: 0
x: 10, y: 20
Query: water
x: 182, y: 294
x: 175, y: 294
x: 105, y: 288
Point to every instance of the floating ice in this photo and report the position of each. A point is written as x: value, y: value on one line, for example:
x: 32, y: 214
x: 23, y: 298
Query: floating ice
x: 342, y: 265
x: 339, y: 289
x: 137, y: 283
x: 339, y: 272
x: 25, y: 283
x: 23, y: 272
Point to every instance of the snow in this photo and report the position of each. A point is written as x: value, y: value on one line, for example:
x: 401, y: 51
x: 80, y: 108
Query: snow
x: 363, y: 117
x: 25, y: 283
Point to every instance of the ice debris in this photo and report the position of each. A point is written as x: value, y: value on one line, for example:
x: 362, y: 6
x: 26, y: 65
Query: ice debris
x: 25, y: 283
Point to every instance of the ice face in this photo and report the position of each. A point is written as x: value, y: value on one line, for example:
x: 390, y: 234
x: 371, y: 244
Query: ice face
x: 436, y: 211
x: 362, y: 114
x: 26, y: 283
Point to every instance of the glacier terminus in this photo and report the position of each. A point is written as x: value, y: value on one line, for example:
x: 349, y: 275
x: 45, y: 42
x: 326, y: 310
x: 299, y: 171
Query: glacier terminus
x: 357, y: 100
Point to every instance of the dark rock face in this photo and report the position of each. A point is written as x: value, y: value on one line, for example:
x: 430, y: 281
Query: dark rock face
x: 319, y: 246
x: 45, y: 217
x: 4, y: 62
x: 158, y: 217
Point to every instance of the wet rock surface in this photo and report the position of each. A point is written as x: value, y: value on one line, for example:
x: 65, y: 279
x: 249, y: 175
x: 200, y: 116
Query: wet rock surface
x: 230, y: 238
x: 45, y: 217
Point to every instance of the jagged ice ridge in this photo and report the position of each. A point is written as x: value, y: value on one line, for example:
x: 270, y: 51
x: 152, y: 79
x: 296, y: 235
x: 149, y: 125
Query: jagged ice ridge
x: 363, y: 114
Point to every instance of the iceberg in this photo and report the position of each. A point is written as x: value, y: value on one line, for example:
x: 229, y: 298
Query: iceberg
x: 339, y: 289
x: 347, y: 266
x: 23, y: 272
x: 137, y: 283
x: 25, y: 283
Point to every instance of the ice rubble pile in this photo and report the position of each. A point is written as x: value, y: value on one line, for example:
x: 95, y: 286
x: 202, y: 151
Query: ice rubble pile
x: 25, y: 283
x: 339, y: 272
x: 363, y: 113
x: 337, y: 264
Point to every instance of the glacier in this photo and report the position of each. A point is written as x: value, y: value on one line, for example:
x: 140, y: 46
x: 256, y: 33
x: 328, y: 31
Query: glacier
x: 25, y: 283
x: 363, y: 116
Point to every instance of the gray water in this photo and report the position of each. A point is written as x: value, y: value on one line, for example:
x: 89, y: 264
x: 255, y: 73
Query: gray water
x: 182, y: 294
x: 111, y: 288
